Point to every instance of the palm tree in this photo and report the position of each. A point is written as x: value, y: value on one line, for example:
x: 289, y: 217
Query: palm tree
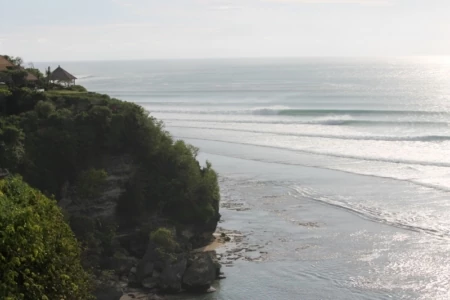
x: 47, y: 76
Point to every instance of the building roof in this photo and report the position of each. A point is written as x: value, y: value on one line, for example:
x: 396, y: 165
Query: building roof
x: 31, y: 77
x: 59, y: 74
x: 5, y: 64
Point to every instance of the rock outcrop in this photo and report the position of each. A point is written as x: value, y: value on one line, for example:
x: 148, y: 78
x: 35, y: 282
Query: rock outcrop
x: 172, y: 275
x: 108, y: 291
x: 203, y: 270
x: 173, y: 272
x: 119, y: 169
x: 137, y: 260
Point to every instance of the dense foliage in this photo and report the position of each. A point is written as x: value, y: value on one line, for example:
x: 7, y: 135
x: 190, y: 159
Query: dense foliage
x: 54, y: 138
x: 39, y: 255
x: 163, y: 237
x: 64, y: 142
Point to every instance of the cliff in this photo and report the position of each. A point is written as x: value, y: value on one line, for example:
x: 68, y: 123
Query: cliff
x: 120, y: 179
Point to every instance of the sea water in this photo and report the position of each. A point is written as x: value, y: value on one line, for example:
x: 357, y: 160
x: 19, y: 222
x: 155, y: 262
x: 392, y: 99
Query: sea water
x: 343, y: 166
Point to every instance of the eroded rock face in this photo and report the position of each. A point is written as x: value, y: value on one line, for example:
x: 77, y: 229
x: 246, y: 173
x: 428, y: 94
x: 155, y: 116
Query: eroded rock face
x: 145, y: 269
x: 106, y: 291
x: 202, y: 272
x: 119, y: 169
x: 150, y: 282
x: 199, y: 235
x: 120, y: 264
x: 140, y: 264
x: 172, y: 274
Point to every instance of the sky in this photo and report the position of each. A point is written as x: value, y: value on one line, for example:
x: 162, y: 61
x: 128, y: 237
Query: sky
x: 50, y: 30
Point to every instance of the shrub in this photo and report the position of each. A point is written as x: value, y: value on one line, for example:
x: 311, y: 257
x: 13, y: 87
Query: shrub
x: 39, y: 256
x: 77, y: 88
x: 164, y: 238
x: 11, y: 146
x: 44, y: 109
x: 4, y: 92
x: 89, y: 184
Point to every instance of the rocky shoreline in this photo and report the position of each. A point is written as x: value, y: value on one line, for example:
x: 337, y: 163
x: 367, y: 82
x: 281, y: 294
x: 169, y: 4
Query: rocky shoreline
x: 161, y: 272
x: 154, y: 278
x: 205, y: 251
x: 140, y: 268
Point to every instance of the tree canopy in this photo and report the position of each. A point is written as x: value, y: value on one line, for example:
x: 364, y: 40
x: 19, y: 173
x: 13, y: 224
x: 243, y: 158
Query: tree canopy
x: 52, y: 138
x: 39, y: 255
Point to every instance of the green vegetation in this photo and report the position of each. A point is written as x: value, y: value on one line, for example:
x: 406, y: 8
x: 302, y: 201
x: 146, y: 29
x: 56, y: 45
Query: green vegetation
x: 77, y: 88
x: 51, y: 139
x: 89, y: 183
x: 64, y: 142
x: 39, y: 255
x: 166, y: 243
x: 14, y: 78
x: 164, y: 238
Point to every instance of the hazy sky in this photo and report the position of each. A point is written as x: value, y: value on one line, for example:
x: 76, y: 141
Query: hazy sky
x: 136, y: 29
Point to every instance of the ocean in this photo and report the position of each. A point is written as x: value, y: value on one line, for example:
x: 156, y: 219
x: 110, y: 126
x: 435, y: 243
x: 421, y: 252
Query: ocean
x: 337, y: 169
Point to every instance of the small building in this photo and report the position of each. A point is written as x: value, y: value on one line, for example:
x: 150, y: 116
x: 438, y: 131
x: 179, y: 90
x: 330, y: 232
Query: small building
x: 6, y: 65
x: 31, y: 77
x: 60, y: 75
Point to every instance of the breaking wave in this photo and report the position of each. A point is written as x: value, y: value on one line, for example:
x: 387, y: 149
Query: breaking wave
x: 399, y: 220
x: 280, y: 111
x: 420, y: 138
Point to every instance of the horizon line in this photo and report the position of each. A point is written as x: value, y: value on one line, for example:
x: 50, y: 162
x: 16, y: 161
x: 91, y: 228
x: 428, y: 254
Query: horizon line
x: 244, y: 57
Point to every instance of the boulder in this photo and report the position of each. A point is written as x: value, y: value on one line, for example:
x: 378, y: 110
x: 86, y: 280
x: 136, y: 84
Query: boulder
x: 172, y: 274
x: 156, y: 274
x: 111, y: 294
x: 199, y: 235
x: 201, y: 273
x: 132, y: 278
x: 144, y: 270
x: 121, y: 264
x: 107, y: 291
x: 154, y: 297
x: 150, y: 282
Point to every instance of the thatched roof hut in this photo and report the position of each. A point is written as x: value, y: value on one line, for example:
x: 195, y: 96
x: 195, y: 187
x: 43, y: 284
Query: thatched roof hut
x: 61, y: 75
x: 5, y: 64
x: 31, y: 77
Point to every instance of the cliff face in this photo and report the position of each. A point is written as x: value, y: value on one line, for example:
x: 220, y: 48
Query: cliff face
x: 118, y: 176
x: 119, y: 169
x: 134, y: 259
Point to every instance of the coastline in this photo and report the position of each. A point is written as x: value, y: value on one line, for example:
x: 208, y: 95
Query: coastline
x: 311, y: 248
x: 213, y: 247
x: 129, y: 232
x: 323, y: 229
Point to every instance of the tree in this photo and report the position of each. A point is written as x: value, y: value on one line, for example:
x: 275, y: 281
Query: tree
x: 15, y: 60
x: 14, y: 78
x: 39, y: 256
x: 48, y: 73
